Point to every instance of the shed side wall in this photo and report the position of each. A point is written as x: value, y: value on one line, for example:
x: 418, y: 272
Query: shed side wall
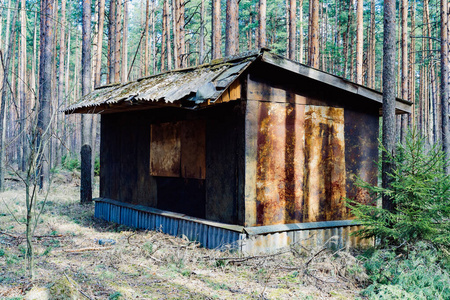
x: 279, y: 190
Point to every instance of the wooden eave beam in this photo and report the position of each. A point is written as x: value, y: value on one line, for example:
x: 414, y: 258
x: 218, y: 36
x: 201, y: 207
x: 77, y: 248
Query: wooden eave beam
x: 402, y: 106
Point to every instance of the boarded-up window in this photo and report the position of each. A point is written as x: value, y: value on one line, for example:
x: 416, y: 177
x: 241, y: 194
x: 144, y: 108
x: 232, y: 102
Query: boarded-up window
x: 177, y: 149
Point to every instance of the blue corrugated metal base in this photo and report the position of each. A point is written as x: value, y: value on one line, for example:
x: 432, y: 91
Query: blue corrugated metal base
x: 209, y: 234
x: 213, y: 235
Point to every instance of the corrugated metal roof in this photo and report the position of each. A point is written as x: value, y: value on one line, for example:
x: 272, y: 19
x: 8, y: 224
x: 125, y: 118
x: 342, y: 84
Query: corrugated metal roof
x: 204, y: 84
x: 193, y: 85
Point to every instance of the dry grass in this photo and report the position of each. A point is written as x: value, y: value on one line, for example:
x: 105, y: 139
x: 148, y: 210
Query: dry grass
x: 151, y: 265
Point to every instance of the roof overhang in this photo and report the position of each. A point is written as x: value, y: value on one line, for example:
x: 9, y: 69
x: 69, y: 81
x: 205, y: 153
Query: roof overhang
x: 402, y: 106
x: 192, y: 88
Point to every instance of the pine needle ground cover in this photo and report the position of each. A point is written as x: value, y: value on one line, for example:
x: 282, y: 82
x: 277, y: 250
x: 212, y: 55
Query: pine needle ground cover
x: 79, y: 257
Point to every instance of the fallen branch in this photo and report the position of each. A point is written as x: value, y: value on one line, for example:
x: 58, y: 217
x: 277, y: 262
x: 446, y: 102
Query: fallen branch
x: 242, y: 259
x: 48, y: 236
x: 10, y: 235
x: 87, y: 249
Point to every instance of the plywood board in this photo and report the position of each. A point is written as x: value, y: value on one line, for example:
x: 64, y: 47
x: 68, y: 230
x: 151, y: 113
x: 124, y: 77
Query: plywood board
x: 165, y: 149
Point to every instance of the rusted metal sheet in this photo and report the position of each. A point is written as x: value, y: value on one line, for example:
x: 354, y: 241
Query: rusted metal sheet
x: 193, y: 164
x: 280, y: 163
x: 324, y: 180
x: 170, y: 87
x: 165, y: 149
x: 300, y: 173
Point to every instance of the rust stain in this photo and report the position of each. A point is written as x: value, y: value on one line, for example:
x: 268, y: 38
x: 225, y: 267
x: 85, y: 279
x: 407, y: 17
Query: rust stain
x: 300, y: 163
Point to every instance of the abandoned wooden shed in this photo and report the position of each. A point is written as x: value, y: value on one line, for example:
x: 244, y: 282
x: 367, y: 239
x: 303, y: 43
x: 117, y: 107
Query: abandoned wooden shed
x: 254, y: 149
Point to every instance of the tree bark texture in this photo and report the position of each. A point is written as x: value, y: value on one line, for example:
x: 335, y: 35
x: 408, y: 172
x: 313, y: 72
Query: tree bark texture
x: 216, y: 30
x: 262, y: 24
x: 21, y: 87
x: 146, y: 42
x: 62, y: 52
x: 405, y: 77
x: 292, y: 28
x: 313, y: 46
x: 124, y: 71
x: 444, y: 84
x: 45, y: 89
x: 388, y: 97
x: 359, y: 41
x: 86, y: 120
x: 101, y: 24
x: 3, y: 106
x: 232, y: 28
x: 112, y: 41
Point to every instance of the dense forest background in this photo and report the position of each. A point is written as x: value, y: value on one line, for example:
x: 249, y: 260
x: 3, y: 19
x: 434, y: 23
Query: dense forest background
x: 43, y: 68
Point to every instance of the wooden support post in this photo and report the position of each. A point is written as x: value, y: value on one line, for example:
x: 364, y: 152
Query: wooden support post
x: 86, y: 179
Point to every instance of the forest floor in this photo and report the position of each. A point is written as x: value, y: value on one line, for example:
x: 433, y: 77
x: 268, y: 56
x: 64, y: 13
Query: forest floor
x: 70, y: 263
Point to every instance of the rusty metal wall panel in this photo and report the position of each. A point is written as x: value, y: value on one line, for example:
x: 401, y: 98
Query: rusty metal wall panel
x: 193, y: 143
x: 280, y: 163
x: 300, y: 172
x: 325, y: 161
x: 165, y: 149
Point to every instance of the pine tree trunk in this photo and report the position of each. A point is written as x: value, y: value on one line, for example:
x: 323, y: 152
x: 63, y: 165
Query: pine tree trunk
x: 86, y: 120
x: 21, y: 87
x: 124, y: 71
x: 146, y: 42
x: 163, y: 39
x: 168, y: 42
x: 153, y: 39
x: 181, y: 38
x: 175, y: 29
x: 101, y: 24
x: 292, y: 28
x: 62, y: 52
x: 202, y: 33
x: 45, y: 87
x: 232, y: 28
x: 444, y: 84
x: 216, y: 30
x: 7, y: 61
x: 388, y: 97
x: 112, y: 41
x: 313, y: 47
x: 300, y: 36
x: 371, y: 52
x: 359, y: 41
x: 118, y: 40
x: 412, y: 70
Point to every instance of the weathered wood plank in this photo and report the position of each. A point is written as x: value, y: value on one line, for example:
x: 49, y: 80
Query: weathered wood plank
x: 165, y: 150
x: 193, y: 151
